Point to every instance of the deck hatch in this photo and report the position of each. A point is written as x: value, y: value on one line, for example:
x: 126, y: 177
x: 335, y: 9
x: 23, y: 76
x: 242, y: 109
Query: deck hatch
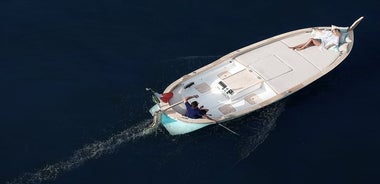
x: 242, y: 80
x: 271, y: 67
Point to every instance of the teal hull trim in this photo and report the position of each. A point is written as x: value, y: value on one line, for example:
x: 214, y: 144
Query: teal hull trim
x: 176, y: 127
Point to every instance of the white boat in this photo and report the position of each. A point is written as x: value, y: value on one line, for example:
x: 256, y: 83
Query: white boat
x: 250, y: 78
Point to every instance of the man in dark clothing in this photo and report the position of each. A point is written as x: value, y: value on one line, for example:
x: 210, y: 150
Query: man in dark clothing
x: 193, y: 111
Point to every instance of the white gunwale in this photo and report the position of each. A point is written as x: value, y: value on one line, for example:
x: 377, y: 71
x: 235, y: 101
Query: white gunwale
x: 270, y: 83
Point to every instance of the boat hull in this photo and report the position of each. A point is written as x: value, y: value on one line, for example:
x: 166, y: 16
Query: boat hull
x: 175, y: 126
x: 250, y: 78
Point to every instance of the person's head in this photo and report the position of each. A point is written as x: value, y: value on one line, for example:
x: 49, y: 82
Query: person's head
x: 336, y: 32
x: 194, y: 104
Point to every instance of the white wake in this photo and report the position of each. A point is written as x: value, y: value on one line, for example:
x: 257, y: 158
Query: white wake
x: 88, y: 152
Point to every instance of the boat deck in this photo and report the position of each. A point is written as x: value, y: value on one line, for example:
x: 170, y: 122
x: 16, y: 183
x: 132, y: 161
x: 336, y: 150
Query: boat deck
x: 254, y: 75
x: 284, y: 68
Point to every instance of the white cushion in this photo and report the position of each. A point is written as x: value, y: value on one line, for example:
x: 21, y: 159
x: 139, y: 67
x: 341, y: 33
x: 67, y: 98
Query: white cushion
x: 343, y: 31
x: 344, y: 46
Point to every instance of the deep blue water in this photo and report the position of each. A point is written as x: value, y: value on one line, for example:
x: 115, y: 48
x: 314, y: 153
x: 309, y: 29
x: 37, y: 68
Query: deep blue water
x: 73, y: 100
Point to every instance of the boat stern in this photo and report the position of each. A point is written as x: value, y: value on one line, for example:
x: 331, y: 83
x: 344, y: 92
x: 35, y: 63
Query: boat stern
x: 172, y: 125
x: 177, y: 127
x: 154, y: 109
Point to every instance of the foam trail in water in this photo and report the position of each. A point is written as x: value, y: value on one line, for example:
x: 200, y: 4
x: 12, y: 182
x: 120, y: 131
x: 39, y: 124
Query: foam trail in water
x: 265, y: 122
x: 91, y: 151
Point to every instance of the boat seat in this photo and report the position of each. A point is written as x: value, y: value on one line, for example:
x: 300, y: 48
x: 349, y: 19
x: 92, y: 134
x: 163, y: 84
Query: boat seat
x: 227, y: 109
x: 252, y: 98
x: 203, y: 87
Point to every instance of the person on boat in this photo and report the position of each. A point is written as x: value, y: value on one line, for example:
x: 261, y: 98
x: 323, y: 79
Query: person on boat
x: 195, y: 112
x: 327, y: 39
